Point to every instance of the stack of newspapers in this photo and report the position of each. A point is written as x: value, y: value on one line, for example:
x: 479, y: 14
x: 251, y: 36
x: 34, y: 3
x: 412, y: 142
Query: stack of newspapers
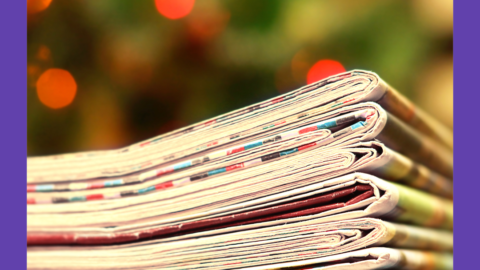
x: 344, y: 173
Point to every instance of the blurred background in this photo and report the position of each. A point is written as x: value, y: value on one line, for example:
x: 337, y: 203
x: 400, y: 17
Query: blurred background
x: 106, y: 74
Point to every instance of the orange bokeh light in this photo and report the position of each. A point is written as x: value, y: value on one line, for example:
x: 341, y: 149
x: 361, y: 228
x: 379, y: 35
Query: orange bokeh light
x: 174, y: 9
x: 44, y: 53
x: 34, y: 6
x: 323, y: 69
x: 56, y: 88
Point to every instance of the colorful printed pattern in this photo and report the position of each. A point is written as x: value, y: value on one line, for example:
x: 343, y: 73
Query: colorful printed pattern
x: 331, y: 123
x: 222, y: 118
x: 142, y: 164
x: 186, y: 180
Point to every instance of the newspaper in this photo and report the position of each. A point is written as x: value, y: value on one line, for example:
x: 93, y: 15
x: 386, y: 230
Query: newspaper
x: 321, y: 176
x: 372, y: 258
x: 340, y: 129
x: 248, y: 248
x: 230, y: 129
x: 351, y: 196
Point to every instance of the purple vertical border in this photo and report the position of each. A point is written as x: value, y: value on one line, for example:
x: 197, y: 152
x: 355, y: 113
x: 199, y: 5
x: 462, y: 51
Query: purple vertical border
x: 13, y: 135
x: 466, y: 133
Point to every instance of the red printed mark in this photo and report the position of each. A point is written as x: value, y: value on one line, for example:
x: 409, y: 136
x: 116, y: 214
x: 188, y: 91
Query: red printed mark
x: 233, y: 167
x: 235, y: 150
x: 277, y: 100
x: 210, y: 122
x: 144, y: 144
x: 308, y: 129
x: 279, y: 123
x: 370, y: 115
x: 30, y: 188
x: 348, y: 100
x: 212, y: 144
x: 94, y: 197
x: 164, y: 171
x: 306, y: 146
x: 30, y: 200
x: 232, y: 263
x: 95, y: 185
x: 164, y: 185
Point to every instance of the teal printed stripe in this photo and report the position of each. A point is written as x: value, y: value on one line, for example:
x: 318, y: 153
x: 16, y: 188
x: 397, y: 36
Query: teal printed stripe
x: 78, y: 199
x: 113, y: 183
x: 289, y: 152
x: 182, y: 165
x: 358, y: 125
x: 322, y: 125
x: 268, y: 126
x: 221, y: 170
x: 156, y: 140
x: 252, y: 145
x: 143, y: 190
x: 152, y: 188
x: 327, y: 124
x: 44, y: 188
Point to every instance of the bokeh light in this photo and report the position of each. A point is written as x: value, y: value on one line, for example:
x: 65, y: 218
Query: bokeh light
x: 323, y: 69
x: 34, y: 6
x: 56, y: 88
x: 174, y: 9
x: 44, y: 53
x: 300, y: 65
x: 207, y: 23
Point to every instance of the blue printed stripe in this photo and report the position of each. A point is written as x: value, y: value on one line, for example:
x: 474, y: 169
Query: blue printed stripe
x: 358, y: 125
x: 143, y: 190
x: 327, y: 124
x: 113, y: 183
x: 78, y: 199
x: 217, y: 171
x: 288, y: 152
x: 156, y: 140
x: 182, y: 165
x: 252, y: 145
x: 44, y: 188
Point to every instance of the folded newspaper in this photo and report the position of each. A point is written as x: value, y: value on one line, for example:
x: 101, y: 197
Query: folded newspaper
x: 302, y: 240
x: 317, y: 155
x: 296, y: 108
x: 347, y: 197
x: 372, y: 258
